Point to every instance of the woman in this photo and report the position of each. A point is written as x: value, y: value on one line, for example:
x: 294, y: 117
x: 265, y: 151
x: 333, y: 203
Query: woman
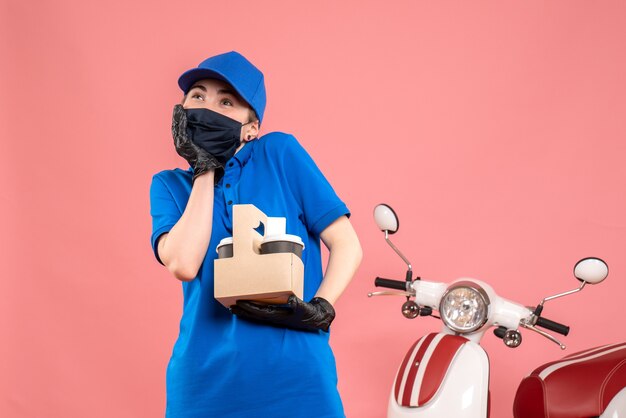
x: 252, y: 360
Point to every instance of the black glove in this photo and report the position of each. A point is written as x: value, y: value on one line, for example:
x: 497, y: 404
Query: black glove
x: 313, y: 316
x: 199, y: 159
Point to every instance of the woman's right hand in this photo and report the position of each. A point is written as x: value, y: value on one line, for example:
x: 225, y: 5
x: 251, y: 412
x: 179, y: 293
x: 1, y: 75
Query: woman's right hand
x: 198, y: 158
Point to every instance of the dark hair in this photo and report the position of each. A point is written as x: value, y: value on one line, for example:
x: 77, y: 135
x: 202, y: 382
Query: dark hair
x: 252, y: 116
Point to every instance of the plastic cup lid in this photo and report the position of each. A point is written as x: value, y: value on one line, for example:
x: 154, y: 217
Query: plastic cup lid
x: 284, y: 237
x: 225, y: 241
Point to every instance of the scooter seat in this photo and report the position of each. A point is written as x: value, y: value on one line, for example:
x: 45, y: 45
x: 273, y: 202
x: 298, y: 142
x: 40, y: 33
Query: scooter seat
x: 579, y: 385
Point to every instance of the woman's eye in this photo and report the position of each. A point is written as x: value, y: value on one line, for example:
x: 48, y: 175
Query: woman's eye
x: 197, y: 96
x: 227, y: 102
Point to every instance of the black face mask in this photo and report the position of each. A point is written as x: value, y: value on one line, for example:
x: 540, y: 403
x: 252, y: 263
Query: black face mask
x: 217, y: 134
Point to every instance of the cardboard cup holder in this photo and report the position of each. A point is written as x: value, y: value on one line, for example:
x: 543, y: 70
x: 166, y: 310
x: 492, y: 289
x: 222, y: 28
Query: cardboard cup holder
x: 265, y: 268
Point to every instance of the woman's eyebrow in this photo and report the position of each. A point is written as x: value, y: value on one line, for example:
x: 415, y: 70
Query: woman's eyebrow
x: 228, y: 91
x: 198, y: 86
x: 231, y: 93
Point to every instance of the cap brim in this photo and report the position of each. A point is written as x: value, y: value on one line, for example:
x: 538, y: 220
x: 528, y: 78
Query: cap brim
x: 186, y: 80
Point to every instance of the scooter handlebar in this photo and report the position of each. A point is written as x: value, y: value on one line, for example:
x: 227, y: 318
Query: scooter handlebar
x: 391, y: 284
x: 552, y: 326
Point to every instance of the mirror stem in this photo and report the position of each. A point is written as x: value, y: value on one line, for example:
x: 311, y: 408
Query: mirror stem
x: 408, y: 263
x: 563, y: 294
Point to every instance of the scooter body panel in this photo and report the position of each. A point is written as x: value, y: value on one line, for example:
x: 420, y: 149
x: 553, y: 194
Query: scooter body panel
x: 617, y: 407
x: 442, y: 376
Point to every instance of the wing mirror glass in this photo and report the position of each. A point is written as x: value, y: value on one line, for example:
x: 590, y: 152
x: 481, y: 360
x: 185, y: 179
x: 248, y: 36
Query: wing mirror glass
x: 386, y: 218
x: 591, y: 270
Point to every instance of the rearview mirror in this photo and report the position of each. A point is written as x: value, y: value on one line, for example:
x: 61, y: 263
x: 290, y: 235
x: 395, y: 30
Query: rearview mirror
x: 386, y: 218
x: 591, y: 270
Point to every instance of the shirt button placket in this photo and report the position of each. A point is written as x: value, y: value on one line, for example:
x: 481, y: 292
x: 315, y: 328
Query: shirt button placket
x: 229, y: 178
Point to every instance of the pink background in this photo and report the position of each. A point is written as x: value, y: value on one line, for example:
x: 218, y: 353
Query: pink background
x: 495, y: 129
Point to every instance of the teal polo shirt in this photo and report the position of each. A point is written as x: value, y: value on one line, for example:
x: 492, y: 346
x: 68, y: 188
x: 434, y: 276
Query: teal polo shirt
x: 227, y: 367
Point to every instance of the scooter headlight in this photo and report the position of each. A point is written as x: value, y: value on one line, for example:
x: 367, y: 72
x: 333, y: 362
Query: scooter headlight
x: 464, y: 307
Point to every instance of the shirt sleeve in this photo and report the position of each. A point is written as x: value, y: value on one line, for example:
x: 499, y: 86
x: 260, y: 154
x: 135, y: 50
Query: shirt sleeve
x: 164, y: 210
x: 318, y: 201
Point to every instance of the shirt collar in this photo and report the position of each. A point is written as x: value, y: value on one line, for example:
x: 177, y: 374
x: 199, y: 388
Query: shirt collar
x: 243, y: 155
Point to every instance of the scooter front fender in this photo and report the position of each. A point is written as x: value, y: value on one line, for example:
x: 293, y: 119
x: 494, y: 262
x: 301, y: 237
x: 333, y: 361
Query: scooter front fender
x: 441, y: 376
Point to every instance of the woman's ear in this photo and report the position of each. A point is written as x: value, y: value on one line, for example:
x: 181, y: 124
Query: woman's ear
x: 251, y: 131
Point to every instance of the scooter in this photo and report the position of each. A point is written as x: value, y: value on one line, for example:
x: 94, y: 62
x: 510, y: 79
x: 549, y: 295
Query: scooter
x: 446, y: 374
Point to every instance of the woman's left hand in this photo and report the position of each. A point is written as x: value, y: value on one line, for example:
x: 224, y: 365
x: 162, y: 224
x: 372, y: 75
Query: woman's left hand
x: 297, y: 314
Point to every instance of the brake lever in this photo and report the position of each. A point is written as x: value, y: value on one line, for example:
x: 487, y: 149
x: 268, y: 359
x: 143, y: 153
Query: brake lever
x: 543, y: 333
x: 389, y: 293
